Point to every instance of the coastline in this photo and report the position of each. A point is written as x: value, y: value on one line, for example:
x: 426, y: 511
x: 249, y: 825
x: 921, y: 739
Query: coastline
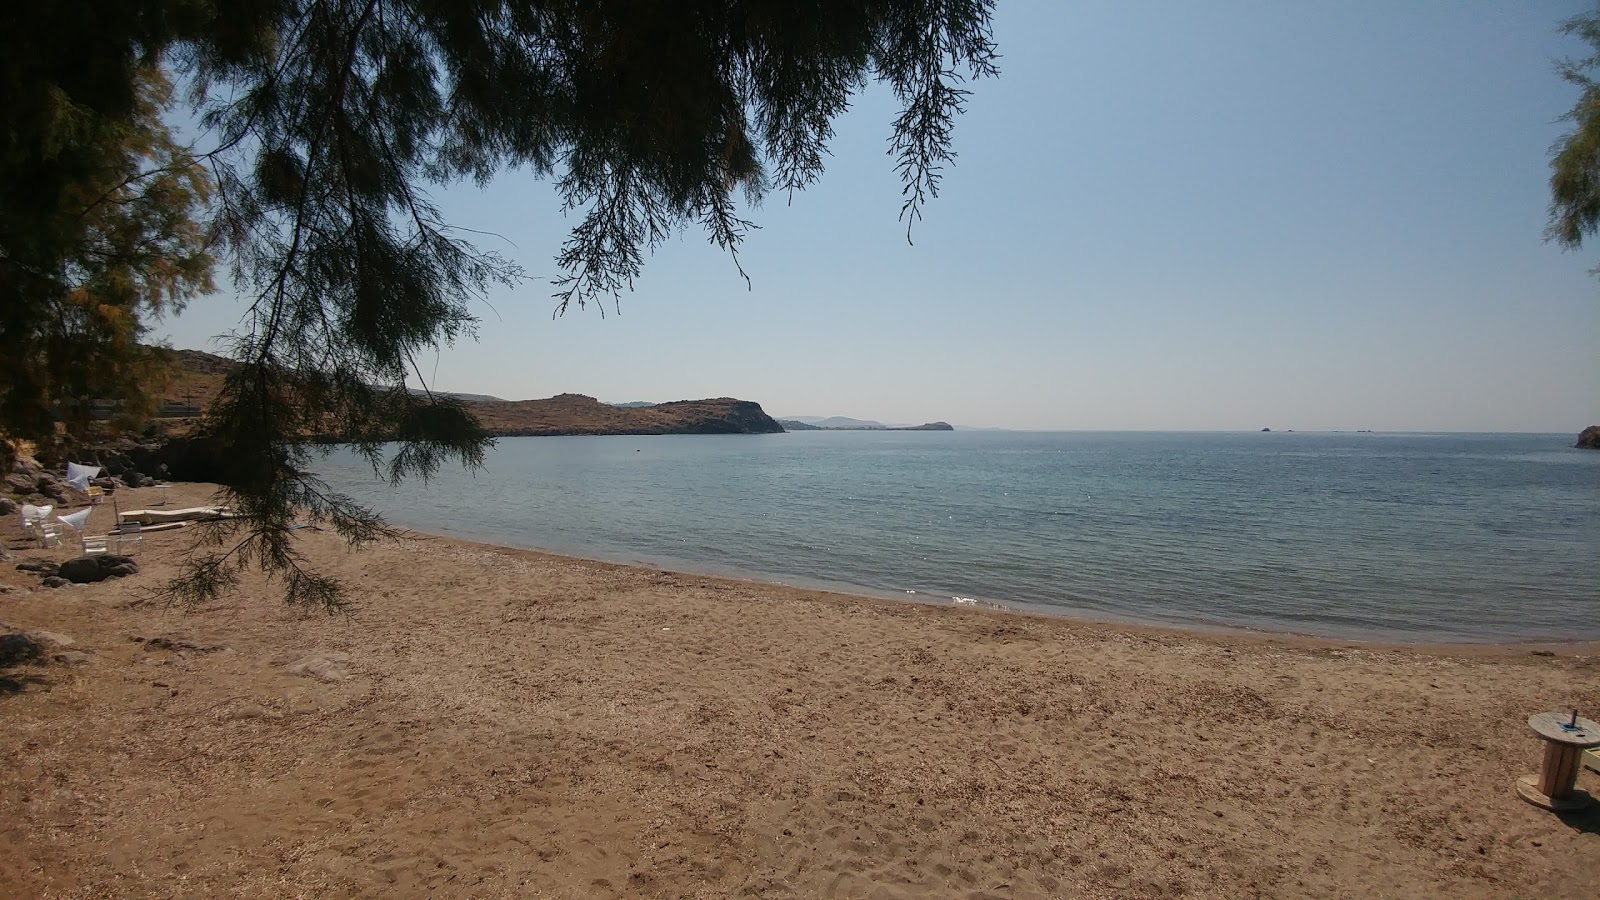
x: 502, y: 722
x: 1072, y: 618
x: 1581, y: 648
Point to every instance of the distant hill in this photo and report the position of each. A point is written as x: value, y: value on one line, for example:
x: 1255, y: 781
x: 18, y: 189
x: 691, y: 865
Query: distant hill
x: 839, y: 422
x: 928, y: 426
x: 576, y: 414
x: 199, y: 377
x: 847, y: 422
x: 820, y: 425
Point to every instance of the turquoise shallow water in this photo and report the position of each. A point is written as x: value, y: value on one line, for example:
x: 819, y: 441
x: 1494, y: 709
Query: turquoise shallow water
x: 1413, y: 537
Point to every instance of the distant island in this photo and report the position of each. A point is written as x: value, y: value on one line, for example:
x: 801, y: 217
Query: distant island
x: 797, y: 425
x: 1589, y: 438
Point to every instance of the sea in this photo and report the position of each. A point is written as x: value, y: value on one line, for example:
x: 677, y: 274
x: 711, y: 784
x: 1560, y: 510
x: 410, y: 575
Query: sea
x: 1407, y: 537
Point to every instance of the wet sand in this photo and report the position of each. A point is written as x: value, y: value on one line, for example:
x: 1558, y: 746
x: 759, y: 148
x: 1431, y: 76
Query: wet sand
x: 506, y: 723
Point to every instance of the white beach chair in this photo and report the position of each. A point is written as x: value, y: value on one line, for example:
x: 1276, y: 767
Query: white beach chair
x: 36, y: 524
x: 95, y: 545
x: 78, y: 521
x: 129, y: 533
x: 79, y: 477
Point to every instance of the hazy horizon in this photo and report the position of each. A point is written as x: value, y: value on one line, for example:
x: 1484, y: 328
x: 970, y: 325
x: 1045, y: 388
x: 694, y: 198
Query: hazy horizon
x: 1162, y: 218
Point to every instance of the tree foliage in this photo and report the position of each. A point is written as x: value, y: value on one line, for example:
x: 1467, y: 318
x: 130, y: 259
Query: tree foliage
x: 99, y: 228
x: 1575, y: 162
x: 333, y: 118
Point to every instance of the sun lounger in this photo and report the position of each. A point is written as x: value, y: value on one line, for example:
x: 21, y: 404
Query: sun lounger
x: 163, y: 516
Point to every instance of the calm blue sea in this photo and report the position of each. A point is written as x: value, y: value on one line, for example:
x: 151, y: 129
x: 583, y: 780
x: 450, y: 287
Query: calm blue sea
x: 1387, y: 536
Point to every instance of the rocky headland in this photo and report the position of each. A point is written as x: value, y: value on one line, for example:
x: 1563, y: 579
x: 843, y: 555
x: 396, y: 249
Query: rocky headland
x: 572, y: 414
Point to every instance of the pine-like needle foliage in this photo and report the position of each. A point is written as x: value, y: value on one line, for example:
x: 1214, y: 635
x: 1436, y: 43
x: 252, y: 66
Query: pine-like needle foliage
x: 336, y: 116
x: 100, y: 212
x: 1575, y: 161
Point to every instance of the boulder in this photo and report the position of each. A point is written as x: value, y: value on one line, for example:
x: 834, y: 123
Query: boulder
x: 72, y: 658
x: 21, y: 483
x: 8, y: 506
x: 89, y: 569
x: 54, y: 581
x: 134, y: 478
x: 82, y: 570
x: 51, y: 640
x: 17, y: 648
x: 38, y: 566
x: 1589, y: 438
x: 109, y: 485
x: 51, y: 487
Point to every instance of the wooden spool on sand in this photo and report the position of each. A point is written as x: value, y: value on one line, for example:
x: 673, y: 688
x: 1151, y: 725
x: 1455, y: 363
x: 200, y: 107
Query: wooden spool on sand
x: 1565, y: 740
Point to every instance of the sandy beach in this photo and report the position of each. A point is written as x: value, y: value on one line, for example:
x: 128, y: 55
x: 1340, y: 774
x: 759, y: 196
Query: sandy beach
x: 504, y: 723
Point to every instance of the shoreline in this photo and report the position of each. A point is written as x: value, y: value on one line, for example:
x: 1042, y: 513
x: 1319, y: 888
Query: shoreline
x: 1577, y: 647
x: 1582, y: 646
x: 493, y: 721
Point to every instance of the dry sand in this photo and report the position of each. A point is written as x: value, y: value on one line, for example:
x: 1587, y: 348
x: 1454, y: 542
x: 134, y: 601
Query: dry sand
x: 502, y: 723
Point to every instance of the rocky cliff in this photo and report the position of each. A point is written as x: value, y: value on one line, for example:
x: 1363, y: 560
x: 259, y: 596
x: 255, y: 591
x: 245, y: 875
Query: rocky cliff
x: 1589, y: 438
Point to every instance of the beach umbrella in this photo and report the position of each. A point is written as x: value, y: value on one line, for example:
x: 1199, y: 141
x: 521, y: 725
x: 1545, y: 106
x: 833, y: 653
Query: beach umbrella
x: 80, y: 476
x: 77, y: 521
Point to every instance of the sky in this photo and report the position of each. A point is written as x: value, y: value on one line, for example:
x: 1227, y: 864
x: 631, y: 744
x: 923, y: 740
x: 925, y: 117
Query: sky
x: 1163, y: 216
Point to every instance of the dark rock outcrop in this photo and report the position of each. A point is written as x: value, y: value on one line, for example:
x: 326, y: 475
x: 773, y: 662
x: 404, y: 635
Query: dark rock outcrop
x: 54, y: 581
x: 17, y: 648
x: 89, y: 569
x: 51, y: 487
x: 1589, y: 438
x: 195, y: 458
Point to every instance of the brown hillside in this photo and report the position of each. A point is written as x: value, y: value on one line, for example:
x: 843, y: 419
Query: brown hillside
x: 200, y: 377
x: 197, y: 379
x: 577, y: 414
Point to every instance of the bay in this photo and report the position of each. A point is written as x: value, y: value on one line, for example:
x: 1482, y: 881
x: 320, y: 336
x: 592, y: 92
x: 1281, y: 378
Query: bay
x: 1382, y: 536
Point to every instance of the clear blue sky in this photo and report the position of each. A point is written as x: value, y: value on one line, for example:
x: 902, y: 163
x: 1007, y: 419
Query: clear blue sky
x: 1165, y: 215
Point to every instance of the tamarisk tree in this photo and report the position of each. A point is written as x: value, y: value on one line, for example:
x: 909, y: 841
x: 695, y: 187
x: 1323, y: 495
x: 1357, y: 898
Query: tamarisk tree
x: 332, y: 118
x: 1575, y: 161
